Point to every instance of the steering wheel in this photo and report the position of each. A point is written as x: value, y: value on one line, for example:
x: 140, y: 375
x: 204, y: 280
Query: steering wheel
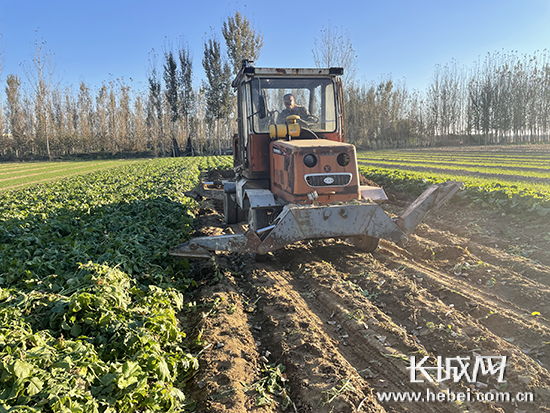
x: 312, y: 119
x: 302, y: 123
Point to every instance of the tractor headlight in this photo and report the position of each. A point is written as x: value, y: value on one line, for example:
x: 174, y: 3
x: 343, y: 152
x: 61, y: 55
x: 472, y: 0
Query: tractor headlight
x: 343, y: 159
x: 310, y: 160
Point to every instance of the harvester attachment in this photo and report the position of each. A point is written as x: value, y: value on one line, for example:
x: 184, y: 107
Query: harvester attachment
x: 361, y: 220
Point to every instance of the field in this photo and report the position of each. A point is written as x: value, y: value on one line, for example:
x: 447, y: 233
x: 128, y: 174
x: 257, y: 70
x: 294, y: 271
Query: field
x: 318, y: 327
x: 516, y: 165
x: 20, y: 175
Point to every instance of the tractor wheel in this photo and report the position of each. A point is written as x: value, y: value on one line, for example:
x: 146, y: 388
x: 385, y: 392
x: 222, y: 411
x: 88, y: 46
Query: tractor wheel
x: 365, y: 243
x: 230, y: 208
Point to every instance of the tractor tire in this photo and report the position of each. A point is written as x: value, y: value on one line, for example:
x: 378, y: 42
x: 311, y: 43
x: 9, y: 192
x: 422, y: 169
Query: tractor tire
x: 365, y: 243
x: 230, y: 208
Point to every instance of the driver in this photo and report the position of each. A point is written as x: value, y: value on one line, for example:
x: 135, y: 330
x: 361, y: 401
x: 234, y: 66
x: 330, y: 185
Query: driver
x: 291, y: 108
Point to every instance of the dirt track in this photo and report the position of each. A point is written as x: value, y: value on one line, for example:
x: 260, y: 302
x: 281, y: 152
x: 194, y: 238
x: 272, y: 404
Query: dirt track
x: 344, y: 323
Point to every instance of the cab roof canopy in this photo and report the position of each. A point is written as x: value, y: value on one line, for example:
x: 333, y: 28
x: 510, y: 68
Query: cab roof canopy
x: 251, y: 71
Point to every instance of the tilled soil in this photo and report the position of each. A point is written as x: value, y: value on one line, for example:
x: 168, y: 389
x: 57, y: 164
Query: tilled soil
x: 322, y: 327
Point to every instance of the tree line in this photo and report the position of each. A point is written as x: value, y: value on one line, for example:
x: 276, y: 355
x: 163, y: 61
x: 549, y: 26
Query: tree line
x: 502, y: 98
x: 171, y: 117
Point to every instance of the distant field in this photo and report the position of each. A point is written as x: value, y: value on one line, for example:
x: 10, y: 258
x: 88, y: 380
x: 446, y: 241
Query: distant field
x: 20, y: 175
x: 524, y: 166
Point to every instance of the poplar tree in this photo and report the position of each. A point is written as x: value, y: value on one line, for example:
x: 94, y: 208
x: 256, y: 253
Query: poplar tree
x: 334, y: 49
x: 101, y: 129
x: 187, y: 95
x: 171, y: 83
x: 139, y: 125
x: 3, y: 141
x: 14, y: 114
x: 155, y: 111
x: 123, y: 119
x: 218, y: 88
x: 86, y: 116
x: 242, y: 41
x: 40, y: 77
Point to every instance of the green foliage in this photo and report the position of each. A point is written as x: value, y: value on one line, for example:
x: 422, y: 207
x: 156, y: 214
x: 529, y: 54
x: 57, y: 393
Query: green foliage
x: 334, y: 392
x: 171, y: 82
x: 241, y: 40
x: 218, y: 88
x: 101, y: 336
x: 111, y: 345
x: 488, y: 194
x: 272, y: 385
x: 507, y: 160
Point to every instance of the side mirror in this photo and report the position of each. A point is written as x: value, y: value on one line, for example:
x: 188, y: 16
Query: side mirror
x: 263, y: 107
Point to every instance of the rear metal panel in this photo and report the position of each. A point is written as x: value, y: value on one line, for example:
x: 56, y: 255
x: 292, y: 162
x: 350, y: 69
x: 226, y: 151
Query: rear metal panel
x: 260, y: 198
x: 258, y: 156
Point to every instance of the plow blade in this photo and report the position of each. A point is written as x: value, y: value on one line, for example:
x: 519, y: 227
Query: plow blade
x: 432, y: 198
x: 298, y: 222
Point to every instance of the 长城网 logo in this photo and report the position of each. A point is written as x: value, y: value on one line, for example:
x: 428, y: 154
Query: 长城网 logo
x: 457, y: 369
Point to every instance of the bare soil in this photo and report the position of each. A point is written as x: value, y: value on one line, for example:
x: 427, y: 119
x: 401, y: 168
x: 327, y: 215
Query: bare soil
x: 343, y: 324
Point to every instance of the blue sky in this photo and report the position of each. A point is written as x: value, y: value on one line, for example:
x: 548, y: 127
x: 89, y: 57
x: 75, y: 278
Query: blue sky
x: 99, y: 40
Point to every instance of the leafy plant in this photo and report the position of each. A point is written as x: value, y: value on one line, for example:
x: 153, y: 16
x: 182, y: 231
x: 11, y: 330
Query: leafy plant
x: 336, y: 391
x: 101, y: 336
x: 272, y: 385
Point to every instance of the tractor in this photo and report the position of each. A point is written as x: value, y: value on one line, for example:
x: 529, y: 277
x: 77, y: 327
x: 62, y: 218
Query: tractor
x: 295, y: 176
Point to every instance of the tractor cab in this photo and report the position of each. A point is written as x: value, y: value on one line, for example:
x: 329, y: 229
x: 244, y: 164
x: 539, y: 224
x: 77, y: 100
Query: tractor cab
x: 290, y: 138
x: 312, y: 98
x: 262, y: 115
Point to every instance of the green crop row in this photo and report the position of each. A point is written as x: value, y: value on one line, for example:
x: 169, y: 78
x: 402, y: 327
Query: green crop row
x: 20, y: 175
x: 24, y: 167
x: 215, y: 162
x: 13, y: 176
x: 89, y: 294
x: 484, y: 192
x: 539, y: 173
x: 466, y: 161
x: 457, y: 157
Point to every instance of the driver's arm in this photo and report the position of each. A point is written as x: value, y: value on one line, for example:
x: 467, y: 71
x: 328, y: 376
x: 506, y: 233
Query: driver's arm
x: 306, y: 115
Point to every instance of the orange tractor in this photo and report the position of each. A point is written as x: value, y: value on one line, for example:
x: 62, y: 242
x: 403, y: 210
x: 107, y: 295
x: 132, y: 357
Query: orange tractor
x: 296, y: 178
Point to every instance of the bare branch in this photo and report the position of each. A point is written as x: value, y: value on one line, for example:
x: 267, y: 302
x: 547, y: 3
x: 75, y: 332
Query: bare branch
x: 334, y: 49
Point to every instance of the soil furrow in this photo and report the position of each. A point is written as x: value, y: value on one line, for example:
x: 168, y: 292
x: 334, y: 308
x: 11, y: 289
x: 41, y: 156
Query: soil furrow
x: 293, y: 335
x: 466, y: 337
